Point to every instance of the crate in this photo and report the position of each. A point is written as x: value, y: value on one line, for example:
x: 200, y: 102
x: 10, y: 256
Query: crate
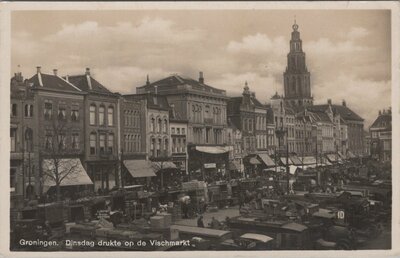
x: 167, y: 219
x: 157, y: 222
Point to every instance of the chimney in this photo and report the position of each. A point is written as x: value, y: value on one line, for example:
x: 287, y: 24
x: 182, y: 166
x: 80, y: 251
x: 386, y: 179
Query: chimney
x: 380, y: 113
x: 67, y: 78
x: 201, y: 78
x: 344, y: 103
x: 390, y: 110
x: 87, y: 71
x: 329, y: 102
x: 38, y: 69
x: 156, y: 90
x: 383, y: 112
x: 55, y: 72
x: 147, y: 80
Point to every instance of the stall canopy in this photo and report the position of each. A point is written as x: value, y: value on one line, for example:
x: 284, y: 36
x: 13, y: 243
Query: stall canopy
x: 309, y: 160
x: 351, y: 155
x: 333, y: 157
x: 341, y: 155
x: 214, y: 149
x: 295, y: 160
x: 158, y: 165
x: 234, y: 165
x: 292, y: 169
x: 254, y: 161
x: 267, y: 160
x: 283, y: 160
x: 71, y: 170
x: 139, y: 168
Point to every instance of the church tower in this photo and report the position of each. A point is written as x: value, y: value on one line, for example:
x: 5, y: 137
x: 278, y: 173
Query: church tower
x: 297, y: 77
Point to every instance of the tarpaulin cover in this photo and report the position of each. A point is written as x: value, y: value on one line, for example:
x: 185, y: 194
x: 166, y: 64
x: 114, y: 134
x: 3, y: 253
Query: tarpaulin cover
x: 139, y: 168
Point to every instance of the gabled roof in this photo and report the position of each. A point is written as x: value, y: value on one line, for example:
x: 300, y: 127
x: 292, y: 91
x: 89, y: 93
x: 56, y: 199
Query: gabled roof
x: 175, y: 80
x: 383, y: 121
x: 321, y: 116
x: 345, y: 112
x: 49, y: 81
x: 88, y: 84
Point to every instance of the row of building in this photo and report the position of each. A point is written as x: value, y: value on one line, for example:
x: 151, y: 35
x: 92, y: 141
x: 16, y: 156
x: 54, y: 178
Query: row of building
x: 174, y: 123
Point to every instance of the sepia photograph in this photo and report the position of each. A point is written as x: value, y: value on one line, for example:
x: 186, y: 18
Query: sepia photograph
x: 195, y: 129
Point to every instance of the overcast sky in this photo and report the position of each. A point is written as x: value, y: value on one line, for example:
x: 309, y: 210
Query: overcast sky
x: 347, y: 52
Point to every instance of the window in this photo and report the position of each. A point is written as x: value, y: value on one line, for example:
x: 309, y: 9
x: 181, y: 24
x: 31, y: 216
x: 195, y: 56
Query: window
x: 173, y: 130
x: 166, y: 147
x: 92, y: 143
x: 152, y: 125
x: 165, y: 126
x: 178, y: 131
x: 28, y: 140
x: 159, y: 125
x: 48, y: 141
x: 61, y: 142
x: 153, y: 141
x: 178, y: 145
x: 101, y: 115
x: 102, y: 143
x: 110, y: 143
x: 13, y: 173
x: 75, y: 115
x: 13, y: 110
x: 48, y: 110
x: 174, y: 145
x: 61, y: 113
x: 75, y: 141
x: 110, y: 117
x: 183, y: 131
x: 13, y: 136
x: 184, y: 145
x: 92, y: 114
x: 158, y: 147
x: 28, y: 110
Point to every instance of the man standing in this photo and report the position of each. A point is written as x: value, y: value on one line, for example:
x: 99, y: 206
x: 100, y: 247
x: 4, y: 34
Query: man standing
x: 200, y: 222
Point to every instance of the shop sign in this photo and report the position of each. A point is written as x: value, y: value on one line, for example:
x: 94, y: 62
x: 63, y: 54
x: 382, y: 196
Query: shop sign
x: 210, y: 165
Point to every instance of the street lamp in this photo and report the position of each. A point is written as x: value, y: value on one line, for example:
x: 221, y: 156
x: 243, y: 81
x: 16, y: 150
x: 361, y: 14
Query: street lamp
x: 280, y: 133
